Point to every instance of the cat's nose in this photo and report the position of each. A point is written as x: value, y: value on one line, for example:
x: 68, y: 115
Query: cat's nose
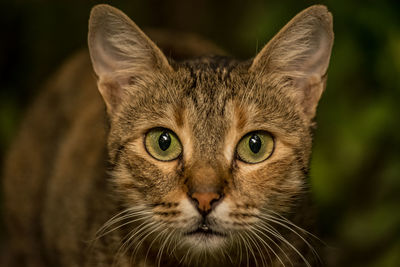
x: 205, y: 201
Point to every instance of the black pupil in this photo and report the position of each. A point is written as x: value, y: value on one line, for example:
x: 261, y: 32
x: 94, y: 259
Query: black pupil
x: 164, y: 141
x: 255, y: 143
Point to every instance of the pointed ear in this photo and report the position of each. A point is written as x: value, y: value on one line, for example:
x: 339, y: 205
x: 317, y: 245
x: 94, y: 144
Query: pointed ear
x: 119, y: 50
x: 300, y: 53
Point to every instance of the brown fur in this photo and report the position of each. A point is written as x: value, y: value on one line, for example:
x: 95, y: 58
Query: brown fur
x: 70, y: 170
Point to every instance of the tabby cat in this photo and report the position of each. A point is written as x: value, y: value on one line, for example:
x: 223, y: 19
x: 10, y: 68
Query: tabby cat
x: 195, y: 162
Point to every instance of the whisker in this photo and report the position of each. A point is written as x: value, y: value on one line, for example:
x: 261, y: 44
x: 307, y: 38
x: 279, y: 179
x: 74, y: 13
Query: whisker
x: 184, y: 257
x: 239, y: 245
x: 259, y: 249
x: 251, y: 249
x: 163, y: 245
x: 133, y: 235
x: 173, y: 239
x: 246, y: 247
x: 121, y: 225
x: 143, y: 236
x: 271, y: 218
x: 117, y: 218
x: 227, y: 255
x: 282, y: 218
x: 285, y: 241
x: 265, y: 244
x: 270, y: 239
x: 154, y: 240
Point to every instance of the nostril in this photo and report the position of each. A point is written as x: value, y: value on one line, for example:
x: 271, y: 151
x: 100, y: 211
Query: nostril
x: 194, y: 200
x: 215, y: 201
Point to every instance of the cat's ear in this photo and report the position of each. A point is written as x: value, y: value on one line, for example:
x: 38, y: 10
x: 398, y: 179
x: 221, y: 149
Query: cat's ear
x: 119, y: 50
x: 300, y: 53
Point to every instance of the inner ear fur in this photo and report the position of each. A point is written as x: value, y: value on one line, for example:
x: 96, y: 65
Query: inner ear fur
x: 120, y: 50
x: 300, y: 53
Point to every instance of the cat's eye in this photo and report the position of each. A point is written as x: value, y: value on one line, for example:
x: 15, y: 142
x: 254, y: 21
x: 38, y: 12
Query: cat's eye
x: 255, y: 147
x: 163, y: 144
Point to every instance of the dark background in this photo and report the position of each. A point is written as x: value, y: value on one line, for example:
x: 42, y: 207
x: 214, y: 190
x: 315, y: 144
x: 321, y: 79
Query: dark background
x: 356, y: 161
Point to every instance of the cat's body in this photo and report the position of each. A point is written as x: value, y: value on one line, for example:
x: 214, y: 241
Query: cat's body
x: 71, y: 169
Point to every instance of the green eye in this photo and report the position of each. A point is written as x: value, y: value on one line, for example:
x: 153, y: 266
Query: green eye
x: 163, y: 144
x: 255, y: 147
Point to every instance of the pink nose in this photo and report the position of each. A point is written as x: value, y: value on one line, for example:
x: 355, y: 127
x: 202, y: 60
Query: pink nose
x: 204, y: 201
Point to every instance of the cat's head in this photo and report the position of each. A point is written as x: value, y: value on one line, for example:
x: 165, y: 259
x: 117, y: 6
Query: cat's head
x: 210, y: 151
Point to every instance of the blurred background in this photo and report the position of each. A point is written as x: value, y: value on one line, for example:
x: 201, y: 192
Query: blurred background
x: 355, y: 170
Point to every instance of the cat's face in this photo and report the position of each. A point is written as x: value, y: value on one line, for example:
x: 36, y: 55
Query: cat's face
x: 186, y: 154
x: 210, y: 152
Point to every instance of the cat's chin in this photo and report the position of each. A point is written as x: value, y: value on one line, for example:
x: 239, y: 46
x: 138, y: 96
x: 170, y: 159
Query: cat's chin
x: 205, y: 240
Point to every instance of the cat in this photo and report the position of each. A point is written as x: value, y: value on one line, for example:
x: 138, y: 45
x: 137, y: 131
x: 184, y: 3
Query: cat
x: 191, y: 162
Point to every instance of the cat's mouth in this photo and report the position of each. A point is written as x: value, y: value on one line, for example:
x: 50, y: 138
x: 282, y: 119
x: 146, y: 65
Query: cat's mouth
x: 205, y: 231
